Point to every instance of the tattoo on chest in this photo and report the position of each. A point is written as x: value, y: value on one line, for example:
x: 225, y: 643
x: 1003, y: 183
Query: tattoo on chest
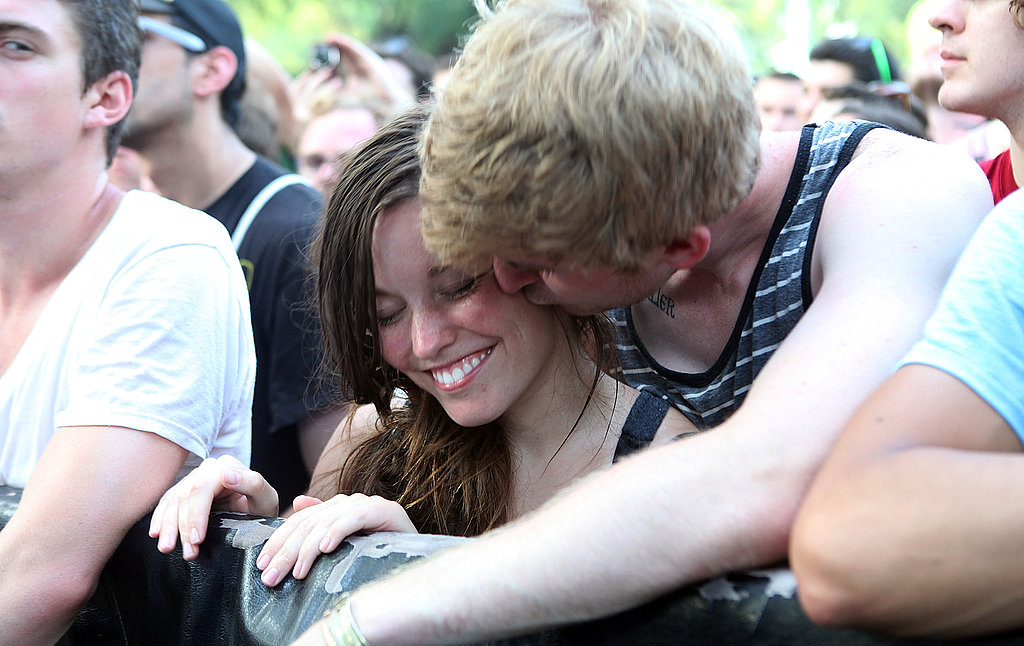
x: 664, y: 303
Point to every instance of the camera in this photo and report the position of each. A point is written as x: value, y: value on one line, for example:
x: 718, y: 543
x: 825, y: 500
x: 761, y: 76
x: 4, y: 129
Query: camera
x: 324, y: 55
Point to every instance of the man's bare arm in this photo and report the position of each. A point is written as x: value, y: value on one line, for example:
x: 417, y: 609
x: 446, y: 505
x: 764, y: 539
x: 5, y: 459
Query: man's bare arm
x: 90, y: 485
x: 914, y: 524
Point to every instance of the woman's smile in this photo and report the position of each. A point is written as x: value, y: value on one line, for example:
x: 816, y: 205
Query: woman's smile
x: 456, y: 374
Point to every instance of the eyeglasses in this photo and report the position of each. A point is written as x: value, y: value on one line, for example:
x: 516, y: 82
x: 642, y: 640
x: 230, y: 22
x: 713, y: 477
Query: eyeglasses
x: 189, y: 41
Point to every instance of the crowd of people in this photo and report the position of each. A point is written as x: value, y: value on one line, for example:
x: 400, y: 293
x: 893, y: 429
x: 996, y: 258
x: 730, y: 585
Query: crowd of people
x: 860, y: 78
x: 595, y: 290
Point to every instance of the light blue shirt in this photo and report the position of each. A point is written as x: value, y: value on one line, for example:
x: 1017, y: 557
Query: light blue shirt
x: 977, y: 332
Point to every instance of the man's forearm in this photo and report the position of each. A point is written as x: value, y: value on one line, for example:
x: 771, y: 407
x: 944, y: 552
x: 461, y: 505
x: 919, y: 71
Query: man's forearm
x: 614, y: 541
x: 88, y: 488
x: 39, y: 594
x: 925, y: 542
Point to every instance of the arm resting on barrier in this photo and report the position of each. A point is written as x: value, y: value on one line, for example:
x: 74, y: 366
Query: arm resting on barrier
x: 914, y: 523
x: 90, y: 486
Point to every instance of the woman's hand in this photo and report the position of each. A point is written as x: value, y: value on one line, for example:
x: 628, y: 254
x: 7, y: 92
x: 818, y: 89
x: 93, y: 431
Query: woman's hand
x: 221, y: 484
x: 319, y: 527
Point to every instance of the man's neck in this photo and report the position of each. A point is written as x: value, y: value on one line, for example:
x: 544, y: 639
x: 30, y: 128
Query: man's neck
x: 46, y: 232
x: 1017, y: 160
x: 42, y: 243
x: 197, y: 167
x: 738, y: 238
x: 688, y: 324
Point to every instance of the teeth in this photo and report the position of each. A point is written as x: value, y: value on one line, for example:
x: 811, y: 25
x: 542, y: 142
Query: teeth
x: 460, y: 369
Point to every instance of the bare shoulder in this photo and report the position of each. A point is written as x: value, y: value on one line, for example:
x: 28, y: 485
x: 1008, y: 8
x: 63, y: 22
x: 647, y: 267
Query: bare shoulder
x: 353, y: 430
x: 895, y: 164
x: 901, y: 203
x: 357, y: 426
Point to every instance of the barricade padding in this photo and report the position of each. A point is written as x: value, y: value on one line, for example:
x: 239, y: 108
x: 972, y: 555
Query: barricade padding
x: 152, y: 599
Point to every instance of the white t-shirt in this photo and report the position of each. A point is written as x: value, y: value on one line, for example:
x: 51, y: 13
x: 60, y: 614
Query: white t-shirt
x: 150, y: 331
x: 977, y: 332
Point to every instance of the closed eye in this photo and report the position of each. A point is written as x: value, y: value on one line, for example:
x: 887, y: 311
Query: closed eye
x: 465, y: 288
x: 384, y: 320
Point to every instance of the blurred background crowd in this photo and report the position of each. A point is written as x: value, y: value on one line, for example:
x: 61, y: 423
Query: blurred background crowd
x: 323, y: 76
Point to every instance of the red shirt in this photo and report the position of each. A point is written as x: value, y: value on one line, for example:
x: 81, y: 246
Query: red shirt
x: 1000, y: 175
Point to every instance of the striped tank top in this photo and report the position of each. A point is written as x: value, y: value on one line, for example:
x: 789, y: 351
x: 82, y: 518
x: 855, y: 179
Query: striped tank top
x: 779, y: 292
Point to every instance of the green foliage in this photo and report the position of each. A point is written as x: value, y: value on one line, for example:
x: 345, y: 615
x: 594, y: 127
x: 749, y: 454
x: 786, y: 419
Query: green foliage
x: 761, y: 23
x: 288, y: 27
x: 436, y: 26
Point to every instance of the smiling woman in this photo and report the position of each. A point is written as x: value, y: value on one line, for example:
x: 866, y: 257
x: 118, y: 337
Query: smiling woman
x: 478, y: 404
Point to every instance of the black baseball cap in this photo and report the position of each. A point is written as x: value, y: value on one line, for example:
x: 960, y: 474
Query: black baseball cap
x: 217, y: 25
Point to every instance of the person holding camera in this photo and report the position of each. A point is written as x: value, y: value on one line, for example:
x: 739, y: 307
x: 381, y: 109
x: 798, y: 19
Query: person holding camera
x: 347, y: 93
x: 343, y: 69
x: 182, y: 124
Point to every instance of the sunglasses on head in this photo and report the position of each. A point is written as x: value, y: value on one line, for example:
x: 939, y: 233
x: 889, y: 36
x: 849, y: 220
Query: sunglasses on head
x: 187, y: 40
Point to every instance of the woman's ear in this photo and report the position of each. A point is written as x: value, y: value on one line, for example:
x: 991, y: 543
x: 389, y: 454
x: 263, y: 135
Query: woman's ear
x: 683, y: 253
x: 107, y: 100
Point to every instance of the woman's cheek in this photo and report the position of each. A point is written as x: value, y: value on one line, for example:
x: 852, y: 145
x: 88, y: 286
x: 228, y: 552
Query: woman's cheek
x: 394, y: 345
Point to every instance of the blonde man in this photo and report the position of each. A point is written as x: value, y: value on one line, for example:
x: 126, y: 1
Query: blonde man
x: 602, y: 153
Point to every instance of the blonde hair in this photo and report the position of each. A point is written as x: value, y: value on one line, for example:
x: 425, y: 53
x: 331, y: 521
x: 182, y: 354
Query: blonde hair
x: 588, y: 130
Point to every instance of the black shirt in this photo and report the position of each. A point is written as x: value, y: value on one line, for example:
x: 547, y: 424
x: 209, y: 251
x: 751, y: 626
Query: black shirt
x: 274, y: 256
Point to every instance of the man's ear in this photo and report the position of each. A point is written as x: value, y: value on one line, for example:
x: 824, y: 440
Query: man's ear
x: 213, y: 71
x: 683, y: 253
x: 108, y: 100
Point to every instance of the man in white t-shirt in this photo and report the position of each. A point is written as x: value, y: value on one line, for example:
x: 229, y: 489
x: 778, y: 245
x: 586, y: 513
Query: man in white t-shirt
x: 126, y: 348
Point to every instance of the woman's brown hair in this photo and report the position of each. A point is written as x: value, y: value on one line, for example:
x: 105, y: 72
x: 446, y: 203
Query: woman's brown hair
x: 450, y: 479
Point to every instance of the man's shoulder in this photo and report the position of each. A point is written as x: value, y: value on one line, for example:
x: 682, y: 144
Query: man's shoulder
x: 162, y: 221
x: 894, y: 173
x: 297, y: 201
x: 901, y: 202
x: 889, y: 147
x: 287, y: 201
x: 1005, y: 224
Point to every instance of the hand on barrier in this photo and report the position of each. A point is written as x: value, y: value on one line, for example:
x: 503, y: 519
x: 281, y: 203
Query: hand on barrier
x: 319, y: 527
x: 218, y: 484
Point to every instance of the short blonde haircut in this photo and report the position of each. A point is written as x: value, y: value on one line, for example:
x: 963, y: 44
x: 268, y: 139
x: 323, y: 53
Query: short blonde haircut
x: 588, y: 130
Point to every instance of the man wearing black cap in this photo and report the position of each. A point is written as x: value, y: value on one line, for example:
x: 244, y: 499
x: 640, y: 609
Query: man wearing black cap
x: 190, y: 87
x: 126, y: 350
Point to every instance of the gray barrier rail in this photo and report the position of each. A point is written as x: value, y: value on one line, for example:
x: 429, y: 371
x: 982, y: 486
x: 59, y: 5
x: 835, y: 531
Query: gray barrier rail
x: 148, y: 598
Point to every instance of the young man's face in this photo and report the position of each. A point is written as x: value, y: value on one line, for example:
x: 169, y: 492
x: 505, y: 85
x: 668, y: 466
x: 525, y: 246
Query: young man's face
x: 579, y: 290
x: 42, y: 106
x: 981, y: 61
x: 780, y: 103
x: 821, y: 76
x: 164, y: 96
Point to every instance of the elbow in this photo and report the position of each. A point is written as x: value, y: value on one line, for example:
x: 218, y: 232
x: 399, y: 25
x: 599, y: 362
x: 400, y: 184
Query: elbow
x: 64, y: 600
x: 825, y: 602
x: 58, y: 584
x: 834, y: 583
